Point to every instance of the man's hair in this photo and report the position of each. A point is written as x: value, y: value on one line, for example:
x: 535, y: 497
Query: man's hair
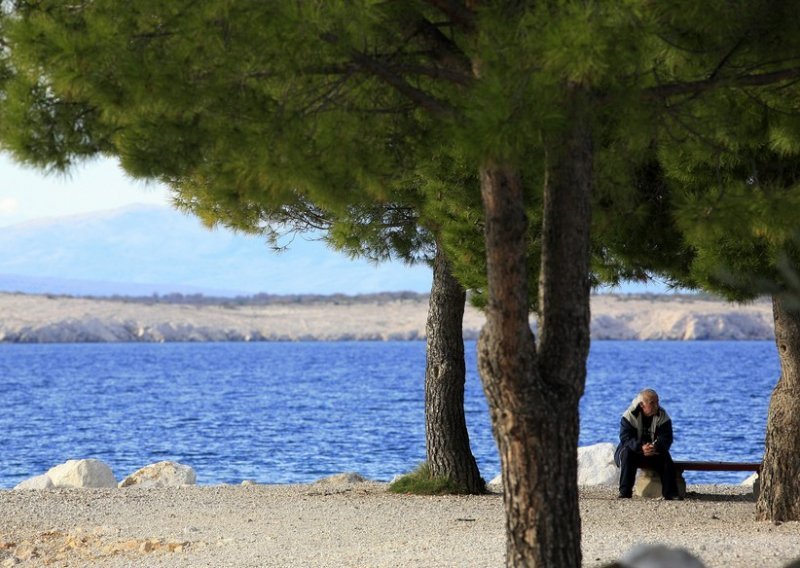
x: 648, y: 394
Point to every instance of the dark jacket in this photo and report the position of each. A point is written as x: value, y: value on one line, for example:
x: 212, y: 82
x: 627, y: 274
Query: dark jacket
x: 631, y: 430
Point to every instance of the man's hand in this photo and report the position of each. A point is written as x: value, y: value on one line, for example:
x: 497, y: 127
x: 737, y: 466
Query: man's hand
x: 649, y: 449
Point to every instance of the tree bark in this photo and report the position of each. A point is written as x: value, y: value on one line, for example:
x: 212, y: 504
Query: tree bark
x: 446, y: 435
x: 534, y: 393
x: 779, y: 498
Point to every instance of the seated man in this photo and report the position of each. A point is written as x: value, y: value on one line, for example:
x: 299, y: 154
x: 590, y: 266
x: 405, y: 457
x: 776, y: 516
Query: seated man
x: 645, y: 436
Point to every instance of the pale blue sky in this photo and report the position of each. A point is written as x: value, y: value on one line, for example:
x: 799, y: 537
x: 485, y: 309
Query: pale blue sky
x: 26, y: 193
x: 98, y: 186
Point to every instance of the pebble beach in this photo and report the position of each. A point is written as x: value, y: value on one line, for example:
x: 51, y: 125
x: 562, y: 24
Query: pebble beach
x: 359, y: 525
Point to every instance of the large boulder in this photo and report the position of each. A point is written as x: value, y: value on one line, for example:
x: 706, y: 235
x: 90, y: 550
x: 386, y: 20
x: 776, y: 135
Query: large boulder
x: 496, y: 484
x: 596, y: 465
x: 750, y: 481
x: 161, y: 474
x: 37, y: 483
x: 82, y: 473
x: 753, y: 481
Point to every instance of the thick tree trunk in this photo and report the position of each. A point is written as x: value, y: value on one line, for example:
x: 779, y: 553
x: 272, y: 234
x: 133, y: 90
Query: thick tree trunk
x: 533, y: 396
x: 779, y: 499
x: 446, y: 435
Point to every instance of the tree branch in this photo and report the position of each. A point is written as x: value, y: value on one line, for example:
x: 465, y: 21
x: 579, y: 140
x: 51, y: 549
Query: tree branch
x: 457, y: 11
x: 693, y: 87
x: 726, y: 58
x: 445, y: 50
x: 418, y: 96
x: 436, y: 73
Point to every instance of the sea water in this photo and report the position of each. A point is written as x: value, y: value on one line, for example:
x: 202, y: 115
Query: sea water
x: 295, y: 412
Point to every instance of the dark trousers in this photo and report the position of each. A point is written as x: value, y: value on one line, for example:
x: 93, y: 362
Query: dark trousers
x: 630, y: 461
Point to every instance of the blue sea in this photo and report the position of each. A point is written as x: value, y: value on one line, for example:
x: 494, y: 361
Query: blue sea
x: 295, y: 412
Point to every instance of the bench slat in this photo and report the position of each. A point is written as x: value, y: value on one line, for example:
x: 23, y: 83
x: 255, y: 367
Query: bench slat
x: 716, y: 466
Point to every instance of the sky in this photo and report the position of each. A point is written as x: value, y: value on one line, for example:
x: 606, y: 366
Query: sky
x: 101, y: 186
x: 27, y: 194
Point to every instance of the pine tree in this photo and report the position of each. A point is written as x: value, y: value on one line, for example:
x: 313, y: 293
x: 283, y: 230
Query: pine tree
x: 716, y: 203
x: 234, y: 190
x: 326, y: 99
x: 179, y: 92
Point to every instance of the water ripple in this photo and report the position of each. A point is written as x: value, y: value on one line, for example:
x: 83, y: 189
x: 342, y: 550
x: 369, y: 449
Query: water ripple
x: 293, y: 412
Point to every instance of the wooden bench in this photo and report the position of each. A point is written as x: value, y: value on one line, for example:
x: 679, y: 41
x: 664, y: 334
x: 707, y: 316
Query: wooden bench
x: 645, y: 488
x: 682, y: 466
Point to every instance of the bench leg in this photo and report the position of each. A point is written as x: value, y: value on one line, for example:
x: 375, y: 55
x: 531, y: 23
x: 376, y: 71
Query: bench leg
x: 681, y: 482
x: 648, y: 484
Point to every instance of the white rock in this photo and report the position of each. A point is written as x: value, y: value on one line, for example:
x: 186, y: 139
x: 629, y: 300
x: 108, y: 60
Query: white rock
x: 659, y: 556
x: 496, y: 484
x: 596, y: 465
x: 249, y: 482
x: 753, y: 481
x: 349, y: 477
x: 82, y: 473
x: 161, y: 474
x: 39, y: 482
x: 750, y: 481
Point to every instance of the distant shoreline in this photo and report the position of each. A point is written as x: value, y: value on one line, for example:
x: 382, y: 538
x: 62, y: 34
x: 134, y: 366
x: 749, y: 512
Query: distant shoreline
x: 396, y: 316
x: 261, y: 299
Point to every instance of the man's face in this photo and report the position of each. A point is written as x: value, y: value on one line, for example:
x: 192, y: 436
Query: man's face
x: 649, y: 406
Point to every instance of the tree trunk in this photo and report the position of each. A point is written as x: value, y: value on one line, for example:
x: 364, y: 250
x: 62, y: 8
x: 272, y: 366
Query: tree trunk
x: 446, y: 435
x: 779, y: 498
x: 533, y: 395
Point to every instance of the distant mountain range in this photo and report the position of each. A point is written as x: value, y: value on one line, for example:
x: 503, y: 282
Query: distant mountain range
x: 144, y: 250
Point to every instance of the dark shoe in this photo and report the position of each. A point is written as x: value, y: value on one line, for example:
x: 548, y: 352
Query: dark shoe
x: 673, y: 498
x: 623, y: 495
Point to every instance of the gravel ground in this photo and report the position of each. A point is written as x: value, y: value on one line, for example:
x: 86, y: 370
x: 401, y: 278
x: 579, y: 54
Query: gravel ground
x: 358, y: 525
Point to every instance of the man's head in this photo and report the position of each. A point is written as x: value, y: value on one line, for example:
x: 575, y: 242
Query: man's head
x: 648, y: 400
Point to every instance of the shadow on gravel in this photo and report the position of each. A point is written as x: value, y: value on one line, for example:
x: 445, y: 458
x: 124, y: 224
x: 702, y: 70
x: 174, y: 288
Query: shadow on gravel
x: 698, y: 496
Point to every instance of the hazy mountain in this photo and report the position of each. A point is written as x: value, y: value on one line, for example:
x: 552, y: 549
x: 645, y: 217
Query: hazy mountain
x: 140, y: 250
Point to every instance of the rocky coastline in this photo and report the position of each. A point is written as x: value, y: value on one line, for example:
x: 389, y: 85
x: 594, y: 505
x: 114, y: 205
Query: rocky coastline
x: 62, y: 319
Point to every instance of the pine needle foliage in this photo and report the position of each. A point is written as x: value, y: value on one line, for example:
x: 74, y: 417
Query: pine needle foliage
x: 355, y: 113
x: 376, y: 113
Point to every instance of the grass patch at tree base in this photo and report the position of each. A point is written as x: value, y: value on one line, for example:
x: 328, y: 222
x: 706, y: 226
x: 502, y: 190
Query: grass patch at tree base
x: 421, y: 482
